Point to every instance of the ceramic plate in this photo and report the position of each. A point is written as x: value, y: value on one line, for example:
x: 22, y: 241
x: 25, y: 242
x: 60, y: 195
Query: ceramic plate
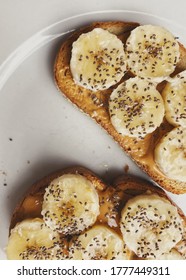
x: 40, y: 131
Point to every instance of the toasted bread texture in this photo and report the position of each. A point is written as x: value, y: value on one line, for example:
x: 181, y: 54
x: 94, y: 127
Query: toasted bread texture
x: 95, y: 104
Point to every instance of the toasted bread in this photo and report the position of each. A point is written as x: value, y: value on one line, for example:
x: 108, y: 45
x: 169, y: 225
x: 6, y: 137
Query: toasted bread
x: 124, y: 188
x: 95, y: 104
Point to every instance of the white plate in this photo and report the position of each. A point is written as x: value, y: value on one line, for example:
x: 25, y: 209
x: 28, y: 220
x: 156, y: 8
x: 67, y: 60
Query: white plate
x: 40, y: 131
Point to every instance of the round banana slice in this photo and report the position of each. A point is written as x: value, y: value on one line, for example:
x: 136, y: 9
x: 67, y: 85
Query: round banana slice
x: 98, y: 243
x: 151, y: 226
x: 98, y: 60
x: 136, y: 108
x: 71, y: 204
x: 31, y: 239
x: 174, y: 95
x: 170, y: 154
x: 152, y: 51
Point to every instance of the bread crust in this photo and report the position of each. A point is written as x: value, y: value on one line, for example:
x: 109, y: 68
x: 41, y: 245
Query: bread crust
x: 95, y: 104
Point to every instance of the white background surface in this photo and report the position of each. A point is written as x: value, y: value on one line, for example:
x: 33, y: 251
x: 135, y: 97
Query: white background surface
x: 19, y: 20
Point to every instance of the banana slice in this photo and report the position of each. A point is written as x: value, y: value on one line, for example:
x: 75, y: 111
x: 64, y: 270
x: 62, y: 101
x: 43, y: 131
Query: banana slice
x: 71, y: 204
x: 152, y: 51
x: 174, y: 95
x: 136, y: 108
x: 151, y: 226
x: 181, y: 246
x: 170, y: 154
x: 172, y: 255
x: 98, y: 243
x: 98, y: 60
x: 31, y: 239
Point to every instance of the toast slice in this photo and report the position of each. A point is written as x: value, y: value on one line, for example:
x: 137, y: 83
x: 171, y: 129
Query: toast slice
x: 95, y: 104
x: 112, y: 199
